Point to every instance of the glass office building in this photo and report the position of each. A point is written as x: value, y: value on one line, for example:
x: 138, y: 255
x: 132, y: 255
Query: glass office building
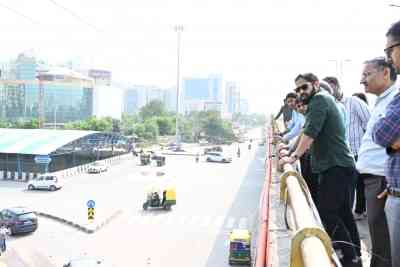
x: 67, y: 95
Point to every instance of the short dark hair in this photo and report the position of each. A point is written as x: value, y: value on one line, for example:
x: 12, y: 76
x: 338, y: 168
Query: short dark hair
x: 394, y: 31
x: 361, y: 96
x: 381, y: 63
x: 325, y: 85
x: 331, y: 79
x: 309, y: 77
x: 291, y: 95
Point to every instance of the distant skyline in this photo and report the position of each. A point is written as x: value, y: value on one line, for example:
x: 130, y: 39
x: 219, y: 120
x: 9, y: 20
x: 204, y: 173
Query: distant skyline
x: 260, y: 44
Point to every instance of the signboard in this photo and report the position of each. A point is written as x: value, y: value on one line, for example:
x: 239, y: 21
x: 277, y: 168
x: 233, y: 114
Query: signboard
x: 102, y: 74
x: 42, y: 159
x: 90, y: 204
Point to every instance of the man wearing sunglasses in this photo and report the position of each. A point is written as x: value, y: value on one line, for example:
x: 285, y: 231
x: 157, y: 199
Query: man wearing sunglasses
x: 331, y: 159
x: 386, y: 133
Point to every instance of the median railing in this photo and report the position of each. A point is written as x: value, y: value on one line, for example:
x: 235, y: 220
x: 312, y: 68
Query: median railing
x: 310, y: 244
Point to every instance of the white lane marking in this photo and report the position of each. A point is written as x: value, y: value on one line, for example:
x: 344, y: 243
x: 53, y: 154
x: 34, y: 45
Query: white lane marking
x: 182, y: 220
x: 230, y: 223
x: 205, y: 221
x: 219, y: 221
x: 243, y: 223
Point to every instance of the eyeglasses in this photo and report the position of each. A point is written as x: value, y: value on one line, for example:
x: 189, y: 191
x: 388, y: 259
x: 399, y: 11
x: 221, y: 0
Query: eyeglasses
x: 388, y: 50
x: 301, y: 88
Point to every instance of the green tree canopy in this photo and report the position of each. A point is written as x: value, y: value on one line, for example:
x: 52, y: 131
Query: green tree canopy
x: 152, y: 109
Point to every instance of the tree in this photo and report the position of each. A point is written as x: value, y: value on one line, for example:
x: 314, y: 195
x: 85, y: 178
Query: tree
x: 92, y: 124
x: 165, y: 125
x: 152, y: 109
x: 128, y: 123
x: 151, y: 130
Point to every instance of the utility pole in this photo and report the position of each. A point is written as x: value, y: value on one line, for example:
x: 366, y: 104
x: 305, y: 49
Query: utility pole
x: 178, y: 30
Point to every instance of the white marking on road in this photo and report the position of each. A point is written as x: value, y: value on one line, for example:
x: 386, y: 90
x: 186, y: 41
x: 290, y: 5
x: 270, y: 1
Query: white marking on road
x: 230, y: 223
x: 243, y: 223
x: 194, y: 219
x: 219, y: 221
x: 182, y: 220
x: 205, y: 221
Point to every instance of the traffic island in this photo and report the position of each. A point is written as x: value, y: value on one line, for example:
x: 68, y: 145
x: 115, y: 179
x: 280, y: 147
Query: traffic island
x: 88, y: 228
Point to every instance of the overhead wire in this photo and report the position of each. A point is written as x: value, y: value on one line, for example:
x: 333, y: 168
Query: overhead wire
x: 18, y: 13
x: 76, y: 16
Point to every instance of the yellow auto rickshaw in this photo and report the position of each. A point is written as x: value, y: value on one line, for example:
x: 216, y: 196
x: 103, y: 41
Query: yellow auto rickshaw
x: 160, y: 197
x: 239, y: 247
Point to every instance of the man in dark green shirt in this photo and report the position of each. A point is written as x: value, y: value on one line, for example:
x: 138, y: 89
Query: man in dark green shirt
x: 324, y: 133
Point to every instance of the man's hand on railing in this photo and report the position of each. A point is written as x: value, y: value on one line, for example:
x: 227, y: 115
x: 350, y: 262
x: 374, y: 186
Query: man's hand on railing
x: 282, y: 146
x: 286, y: 160
x: 283, y: 153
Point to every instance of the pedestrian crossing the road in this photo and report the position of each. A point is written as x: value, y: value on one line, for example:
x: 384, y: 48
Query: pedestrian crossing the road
x: 191, y: 221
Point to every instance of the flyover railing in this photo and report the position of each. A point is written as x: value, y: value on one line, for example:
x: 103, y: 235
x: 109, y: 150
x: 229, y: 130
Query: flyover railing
x: 263, y: 242
x: 310, y: 244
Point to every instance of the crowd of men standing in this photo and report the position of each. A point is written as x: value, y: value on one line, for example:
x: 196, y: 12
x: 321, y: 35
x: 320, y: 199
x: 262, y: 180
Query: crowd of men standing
x: 349, y: 154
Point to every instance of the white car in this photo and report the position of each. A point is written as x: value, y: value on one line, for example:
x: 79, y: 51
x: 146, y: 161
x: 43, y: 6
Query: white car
x: 217, y: 157
x: 97, y: 167
x: 45, y: 181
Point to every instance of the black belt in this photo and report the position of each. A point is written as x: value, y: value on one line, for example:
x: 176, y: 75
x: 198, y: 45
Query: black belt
x: 395, y: 192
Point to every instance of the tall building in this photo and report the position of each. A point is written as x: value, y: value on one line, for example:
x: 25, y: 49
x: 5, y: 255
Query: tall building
x: 131, y: 99
x: 200, y: 90
x: 244, y: 106
x: 232, y: 97
x: 137, y: 96
x: 67, y: 95
x: 170, y: 99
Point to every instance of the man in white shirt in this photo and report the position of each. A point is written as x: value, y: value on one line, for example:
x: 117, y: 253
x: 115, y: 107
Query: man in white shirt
x: 379, y: 79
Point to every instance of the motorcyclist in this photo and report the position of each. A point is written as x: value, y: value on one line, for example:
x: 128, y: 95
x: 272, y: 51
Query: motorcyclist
x: 197, y: 157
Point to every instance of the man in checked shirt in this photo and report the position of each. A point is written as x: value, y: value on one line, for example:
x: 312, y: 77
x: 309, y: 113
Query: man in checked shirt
x: 386, y: 133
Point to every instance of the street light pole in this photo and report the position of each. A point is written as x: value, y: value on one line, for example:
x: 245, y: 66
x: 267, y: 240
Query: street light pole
x: 178, y: 30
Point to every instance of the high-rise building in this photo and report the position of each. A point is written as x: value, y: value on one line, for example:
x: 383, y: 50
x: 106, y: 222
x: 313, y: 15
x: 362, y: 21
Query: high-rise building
x: 201, y: 90
x: 232, y: 97
x: 244, y: 106
x: 67, y: 95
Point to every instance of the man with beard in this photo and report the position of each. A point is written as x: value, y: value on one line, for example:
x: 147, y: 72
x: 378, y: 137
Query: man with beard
x: 386, y: 133
x: 378, y: 78
x: 324, y: 131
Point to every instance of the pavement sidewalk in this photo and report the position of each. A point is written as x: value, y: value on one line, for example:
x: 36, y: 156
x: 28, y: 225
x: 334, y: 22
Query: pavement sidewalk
x: 281, y: 237
x: 75, y: 214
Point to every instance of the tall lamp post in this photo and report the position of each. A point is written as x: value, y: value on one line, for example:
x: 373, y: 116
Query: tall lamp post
x: 339, y: 68
x: 178, y: 29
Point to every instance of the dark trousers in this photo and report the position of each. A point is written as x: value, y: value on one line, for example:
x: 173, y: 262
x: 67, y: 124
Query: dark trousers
x: 360, y: 206
x: 377, y: 223
x: 336, y: 187
x: 310, y: 177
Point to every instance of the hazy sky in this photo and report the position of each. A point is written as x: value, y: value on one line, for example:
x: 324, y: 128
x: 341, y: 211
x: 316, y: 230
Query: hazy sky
x: 262, y: 44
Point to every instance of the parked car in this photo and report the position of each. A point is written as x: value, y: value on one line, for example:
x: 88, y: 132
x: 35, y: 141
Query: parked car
x: 97, y: 167
x: 86, y: 262
x: 45, y: 181
x: 19, y: 220
x: 218, y: 157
